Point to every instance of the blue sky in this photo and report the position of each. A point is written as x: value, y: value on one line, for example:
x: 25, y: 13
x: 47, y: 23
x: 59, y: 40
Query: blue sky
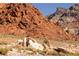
x: 48, y: 8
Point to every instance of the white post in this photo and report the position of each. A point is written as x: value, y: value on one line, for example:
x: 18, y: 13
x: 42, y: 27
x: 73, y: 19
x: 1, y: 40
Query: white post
x: 24, y: 42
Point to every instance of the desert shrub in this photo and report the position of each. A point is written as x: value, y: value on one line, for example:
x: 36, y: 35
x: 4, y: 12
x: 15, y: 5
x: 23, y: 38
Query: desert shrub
x: 72, y: 54
x: 4, y: 51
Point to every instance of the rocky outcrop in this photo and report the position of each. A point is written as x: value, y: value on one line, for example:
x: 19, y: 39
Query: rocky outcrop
x: 68, y: 19
x: 26, y: 20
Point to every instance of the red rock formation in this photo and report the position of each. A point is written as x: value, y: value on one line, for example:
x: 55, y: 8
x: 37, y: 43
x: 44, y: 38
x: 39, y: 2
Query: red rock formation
x: 24, y: 19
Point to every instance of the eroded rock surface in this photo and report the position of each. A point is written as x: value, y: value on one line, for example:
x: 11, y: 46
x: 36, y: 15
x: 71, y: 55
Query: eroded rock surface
x: 26, y: 20
x: 67, y: 18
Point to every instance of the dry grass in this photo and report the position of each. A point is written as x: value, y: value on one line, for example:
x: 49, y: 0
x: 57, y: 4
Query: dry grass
x: 3, y: 43
x: 45, y: 52
x: 10, y: 36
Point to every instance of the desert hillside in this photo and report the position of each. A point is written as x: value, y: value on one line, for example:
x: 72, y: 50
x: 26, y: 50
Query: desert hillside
x: 25, y: 31
x: 68, y: 19
x: 26, y: 20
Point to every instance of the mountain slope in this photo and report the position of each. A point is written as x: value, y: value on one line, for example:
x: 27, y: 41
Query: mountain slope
x: 68, y: 19
x: 25, y: 20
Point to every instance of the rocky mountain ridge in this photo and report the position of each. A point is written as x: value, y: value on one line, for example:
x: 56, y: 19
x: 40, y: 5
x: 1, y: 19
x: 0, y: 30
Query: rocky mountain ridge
x: 68, y: 19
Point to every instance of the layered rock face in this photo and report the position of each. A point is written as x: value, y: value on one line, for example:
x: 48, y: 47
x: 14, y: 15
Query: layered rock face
x: 68, y: 19
x: 25, y: 20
